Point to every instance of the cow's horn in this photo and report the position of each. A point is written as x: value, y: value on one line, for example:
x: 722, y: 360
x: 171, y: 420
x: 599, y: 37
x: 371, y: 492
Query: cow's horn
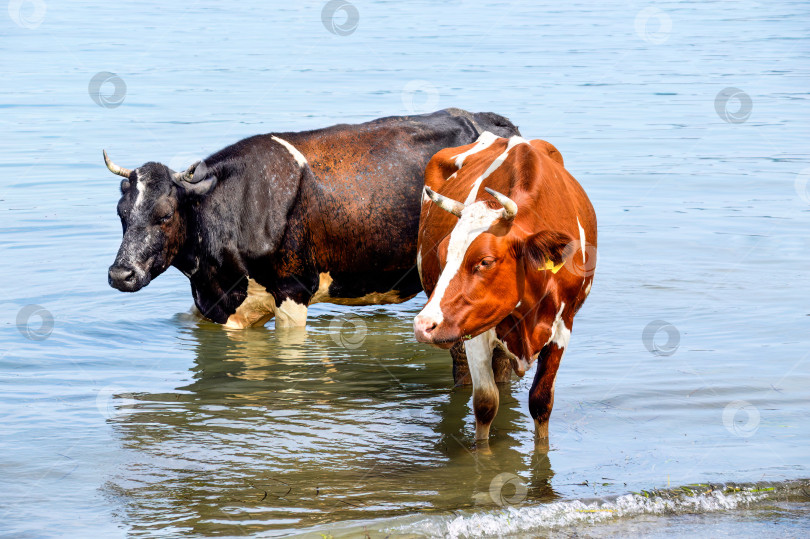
x: 115, y: 169
x: 509, y: 206
x: 187, y: 175
x: 445, y: 203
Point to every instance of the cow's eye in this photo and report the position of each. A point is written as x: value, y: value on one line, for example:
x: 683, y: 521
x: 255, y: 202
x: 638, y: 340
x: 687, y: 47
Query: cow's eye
x: 166, y: 217
x: 485, y: 263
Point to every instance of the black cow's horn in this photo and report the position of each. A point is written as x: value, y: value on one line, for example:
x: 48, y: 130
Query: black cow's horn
x: 187, y: 175
x: 445, y: 203
x: 509, y: 206
x: 115, y: 169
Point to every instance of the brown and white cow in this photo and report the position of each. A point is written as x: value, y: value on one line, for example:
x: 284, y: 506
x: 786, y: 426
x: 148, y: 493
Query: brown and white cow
x: 506, y: 251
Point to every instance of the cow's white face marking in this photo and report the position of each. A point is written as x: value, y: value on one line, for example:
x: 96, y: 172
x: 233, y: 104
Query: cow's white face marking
x: 581, y: 239
x: 484, y: 141
x: 560, y: 335
x: 513, y: 141
x: 298, y: 156
x: 140, y: 187
x: 475, y: 219
x: 588, y: 288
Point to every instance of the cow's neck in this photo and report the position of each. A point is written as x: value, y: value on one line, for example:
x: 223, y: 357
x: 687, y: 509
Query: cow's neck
x: 526, y: 330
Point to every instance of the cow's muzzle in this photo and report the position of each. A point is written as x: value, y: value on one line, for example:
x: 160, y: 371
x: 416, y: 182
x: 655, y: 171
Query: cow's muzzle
x: 426, y: 330
x: 127, y: 279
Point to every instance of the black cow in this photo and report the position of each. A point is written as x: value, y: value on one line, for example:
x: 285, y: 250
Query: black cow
x: 276, y: 222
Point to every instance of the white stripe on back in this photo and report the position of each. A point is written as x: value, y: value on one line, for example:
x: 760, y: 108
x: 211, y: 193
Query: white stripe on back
x: 484, y: 141
x: 513, y: 141
x: 299, y: 157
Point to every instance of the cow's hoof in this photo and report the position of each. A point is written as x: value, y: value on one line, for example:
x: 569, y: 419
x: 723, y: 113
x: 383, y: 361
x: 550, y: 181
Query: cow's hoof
x: 540, y: 430
x: 481, y: 432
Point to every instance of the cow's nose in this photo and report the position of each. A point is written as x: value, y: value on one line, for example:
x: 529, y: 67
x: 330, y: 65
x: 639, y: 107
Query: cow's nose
x: 422, y: 328
x: 121, y: 275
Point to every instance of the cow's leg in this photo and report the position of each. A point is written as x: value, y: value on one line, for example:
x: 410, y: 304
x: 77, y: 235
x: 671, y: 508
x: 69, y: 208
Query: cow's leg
x: 291, y: 314
x: 501, y: 365
x: 461, y: 370
x: 485, y: 391
x: 541, y: 395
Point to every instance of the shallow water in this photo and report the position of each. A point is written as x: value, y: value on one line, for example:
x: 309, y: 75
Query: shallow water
x: 131, y: 419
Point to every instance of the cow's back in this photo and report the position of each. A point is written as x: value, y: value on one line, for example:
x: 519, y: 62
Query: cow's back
x: 530, y: 172
x: 363, y: 197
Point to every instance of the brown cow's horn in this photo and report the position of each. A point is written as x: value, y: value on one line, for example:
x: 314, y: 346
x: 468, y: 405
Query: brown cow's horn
x: 187, y: 175
x: 115, y: 169
x: 445, y: 203
x: 509, y: 206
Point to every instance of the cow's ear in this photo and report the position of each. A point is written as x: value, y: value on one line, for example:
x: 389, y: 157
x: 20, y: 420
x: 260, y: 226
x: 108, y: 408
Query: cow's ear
x: 547, y: 245
x: 199, y: 188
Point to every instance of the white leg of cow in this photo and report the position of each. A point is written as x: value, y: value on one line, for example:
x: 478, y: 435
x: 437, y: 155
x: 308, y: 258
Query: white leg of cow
x: 291, y: 314
x: 485, y: 391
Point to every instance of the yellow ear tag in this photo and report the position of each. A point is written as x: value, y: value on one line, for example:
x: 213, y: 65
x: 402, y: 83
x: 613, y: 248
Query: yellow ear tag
x: 550, y: 266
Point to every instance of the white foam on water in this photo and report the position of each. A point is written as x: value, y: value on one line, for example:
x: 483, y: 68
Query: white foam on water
x: 523, y: 519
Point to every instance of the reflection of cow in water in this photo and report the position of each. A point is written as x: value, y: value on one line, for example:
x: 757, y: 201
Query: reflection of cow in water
x: 507, y: 244
x: 276, y: 222
x: 258, y: 432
